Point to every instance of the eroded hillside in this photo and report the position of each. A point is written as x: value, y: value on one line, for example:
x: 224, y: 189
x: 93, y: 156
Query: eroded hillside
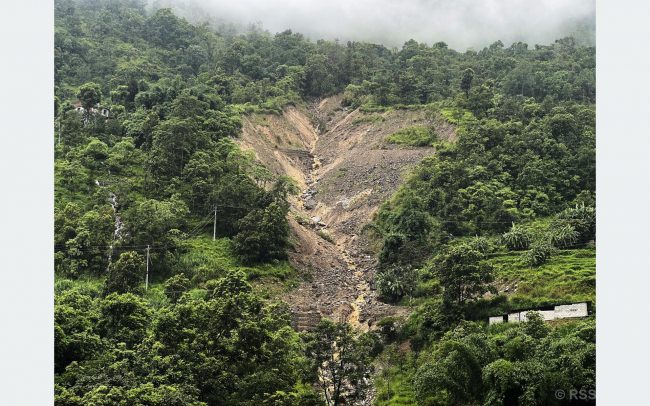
x: 339, y: 158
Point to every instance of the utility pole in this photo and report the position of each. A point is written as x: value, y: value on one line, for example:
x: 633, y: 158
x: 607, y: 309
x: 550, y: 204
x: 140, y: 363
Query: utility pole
x: 146, y: 280
x: 214, y: 229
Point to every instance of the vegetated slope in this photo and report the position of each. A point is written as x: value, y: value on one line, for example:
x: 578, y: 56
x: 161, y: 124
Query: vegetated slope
x: 165, y: 158
x: 340, y: 160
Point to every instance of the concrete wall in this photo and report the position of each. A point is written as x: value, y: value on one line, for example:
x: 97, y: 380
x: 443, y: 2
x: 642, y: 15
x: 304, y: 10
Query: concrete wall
x: 572, y: 310
x: 546, y: 314
x: 496, y: 320
x: 559, y: 312
x: 513, y: 317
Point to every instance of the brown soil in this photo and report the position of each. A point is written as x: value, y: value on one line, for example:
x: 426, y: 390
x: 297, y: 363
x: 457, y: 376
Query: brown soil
x: 345, y: 170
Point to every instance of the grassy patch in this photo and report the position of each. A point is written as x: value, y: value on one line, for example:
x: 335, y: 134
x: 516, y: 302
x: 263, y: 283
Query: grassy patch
x: 87, y: 285
x: 458, y: 116
x: 394, y: 383
x: 206, y: 259
x: 302, y: 219
x: 325, y: 236
x: 417, y: 136
x: 273, y: 105
x: 569, y: 276
x: 370, y: 118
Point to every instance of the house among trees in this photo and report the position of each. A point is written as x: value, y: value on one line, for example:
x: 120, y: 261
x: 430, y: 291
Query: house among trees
x: 557, y: 312
x: 95, y: 109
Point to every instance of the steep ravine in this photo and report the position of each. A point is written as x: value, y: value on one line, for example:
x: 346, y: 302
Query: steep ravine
x: 358, y: 283
x: 345, y: 170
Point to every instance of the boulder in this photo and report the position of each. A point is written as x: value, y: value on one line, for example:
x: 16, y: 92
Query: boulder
x: 309, y: 204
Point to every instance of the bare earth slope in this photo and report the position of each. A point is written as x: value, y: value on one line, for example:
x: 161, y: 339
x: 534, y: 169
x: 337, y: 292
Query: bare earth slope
x: 339, y: 159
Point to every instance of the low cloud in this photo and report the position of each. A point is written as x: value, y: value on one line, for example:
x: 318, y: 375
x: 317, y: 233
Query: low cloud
x: 460, y: 23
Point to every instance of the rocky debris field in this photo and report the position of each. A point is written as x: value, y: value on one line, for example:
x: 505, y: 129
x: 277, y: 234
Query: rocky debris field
x: 345, y: 170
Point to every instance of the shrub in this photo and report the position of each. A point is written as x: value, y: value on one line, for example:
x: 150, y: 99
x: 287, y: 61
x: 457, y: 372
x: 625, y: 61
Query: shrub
x: 176, y: 286
x: 325, y: 236
x: 370, y: 118
x: 417, y: 136
x: 392, y: 247
x: 517, y: 239
x: 539, y: 253
x: 563, y: 236
x: 583, y: 220
x: 389, y: 328
x: 395, y: 282
x: 481, y: 244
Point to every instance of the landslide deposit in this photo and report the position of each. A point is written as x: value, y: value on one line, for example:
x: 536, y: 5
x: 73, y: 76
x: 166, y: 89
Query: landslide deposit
x: 345, y: 170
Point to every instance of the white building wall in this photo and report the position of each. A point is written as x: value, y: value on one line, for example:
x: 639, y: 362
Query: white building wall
x: 559, y: 312
x: 496, y: 320
x: 572, y: 310
x: 513, y: 317
x: 548, y: 314
x: 523, y: 316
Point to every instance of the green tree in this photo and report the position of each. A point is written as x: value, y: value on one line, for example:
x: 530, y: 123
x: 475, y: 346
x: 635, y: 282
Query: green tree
x: 75, y: 338
x: 463, y: 273
x: 466, y: 81
x: 89, y: 95
x: 83, y: 240
x: 513, y: 383
x: 340, y: 363
x: 263, y: 234
x: 176, y: 286
x: 166, y: 30
x: 202, y: 174
x: 174, y: 142
x: 123, y: 318
x: 453, y: 378
x: 540, y: 252
x: 162, y: 395
x: 318, y: 79
x: 408, y: 229
x: 125, y: 158
x: 150, y: 221
x: 230, y: 345
x: 126, y: 274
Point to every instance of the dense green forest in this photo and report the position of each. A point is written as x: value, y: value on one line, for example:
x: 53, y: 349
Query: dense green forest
x: 512, y: 199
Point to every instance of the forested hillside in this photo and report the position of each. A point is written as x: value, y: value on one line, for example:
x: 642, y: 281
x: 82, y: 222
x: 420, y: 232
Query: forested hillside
x: 208, y: 184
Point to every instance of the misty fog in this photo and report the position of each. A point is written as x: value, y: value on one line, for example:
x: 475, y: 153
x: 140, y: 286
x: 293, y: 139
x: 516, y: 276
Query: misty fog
x: 460, y: 23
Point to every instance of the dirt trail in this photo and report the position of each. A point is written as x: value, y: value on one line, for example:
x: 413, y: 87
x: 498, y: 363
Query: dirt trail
x: 345, y: 170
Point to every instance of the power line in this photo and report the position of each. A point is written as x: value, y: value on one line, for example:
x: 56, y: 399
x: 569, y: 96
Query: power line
x: 207, y: 219
x: 192, y: 233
